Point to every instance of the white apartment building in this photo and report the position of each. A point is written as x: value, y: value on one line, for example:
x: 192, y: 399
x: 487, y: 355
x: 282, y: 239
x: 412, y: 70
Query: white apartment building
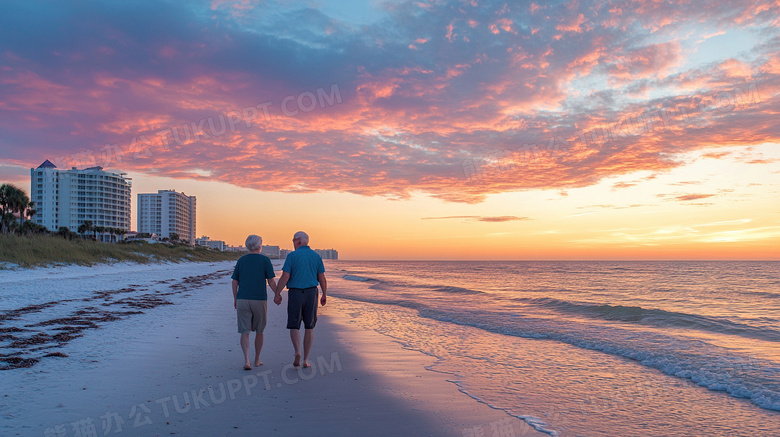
x: 71, y: 197
x: 270, y: 251
x: 212, y: 244
x: 328, y: 253
x: 166, y: 213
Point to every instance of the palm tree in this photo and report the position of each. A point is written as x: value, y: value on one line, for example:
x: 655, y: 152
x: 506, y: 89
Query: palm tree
x: 31, y: 210
x: 64, y: 232
x: 20, y: 205
x: 85, y: 227
x: 5, y: 191
x: 30, y: 228
x: 11, y: 200
x: 8, y: 221
x: 30, y: 213
x: 97, y: 230
x: 27, y: 210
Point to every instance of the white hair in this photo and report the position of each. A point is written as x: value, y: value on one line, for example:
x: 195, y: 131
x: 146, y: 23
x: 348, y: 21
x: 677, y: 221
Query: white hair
x: 253, y: 242
x: 303, y: 236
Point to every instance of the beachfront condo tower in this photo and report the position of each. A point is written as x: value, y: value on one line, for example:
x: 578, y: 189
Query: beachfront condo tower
x: 328, y: 253
x: 71, y: 197
x: 167, y: 213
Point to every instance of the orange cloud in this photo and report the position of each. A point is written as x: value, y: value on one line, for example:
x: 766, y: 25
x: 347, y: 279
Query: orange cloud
x: 689, y: 197
x: 498, y: 219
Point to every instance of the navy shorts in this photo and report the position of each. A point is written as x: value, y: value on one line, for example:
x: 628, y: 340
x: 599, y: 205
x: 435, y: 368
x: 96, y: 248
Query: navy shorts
x: 302, y: 306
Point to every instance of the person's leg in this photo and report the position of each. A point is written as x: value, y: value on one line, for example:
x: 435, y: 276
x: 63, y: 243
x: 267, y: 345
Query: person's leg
x: 258, y: 348
x: 294, y: 316
x: 308, y: 338
x: 245, y: 349
x: 244, y: 319
x: 309, y: 314
x: 295, y: 336
x: 260, y: 312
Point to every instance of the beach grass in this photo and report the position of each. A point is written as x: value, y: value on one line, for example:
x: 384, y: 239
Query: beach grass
x: 47, y: 250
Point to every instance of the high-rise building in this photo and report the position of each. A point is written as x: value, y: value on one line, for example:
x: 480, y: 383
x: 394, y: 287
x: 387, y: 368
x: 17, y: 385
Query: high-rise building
x: 328, y: 253
x: 270, y: 251
x: 167, y: 213
x: 71, y: 197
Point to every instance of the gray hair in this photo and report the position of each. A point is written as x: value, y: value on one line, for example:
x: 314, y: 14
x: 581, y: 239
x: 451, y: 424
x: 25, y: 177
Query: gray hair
x: 253, y: 242
x: 303, y: 236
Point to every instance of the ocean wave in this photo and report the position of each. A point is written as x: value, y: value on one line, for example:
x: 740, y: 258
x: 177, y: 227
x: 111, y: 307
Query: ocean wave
x: 657, y: 317
x: 587, y: 326
x: 765, y: 294
x: 454, y: 290
x: 707, y: 365
x: 395, y: 287
x: 532, y: 421
x: 357, y: 278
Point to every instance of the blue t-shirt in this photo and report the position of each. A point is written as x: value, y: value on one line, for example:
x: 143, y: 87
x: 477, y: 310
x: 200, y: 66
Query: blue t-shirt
x: 251, y: 272
x: 303, y: 265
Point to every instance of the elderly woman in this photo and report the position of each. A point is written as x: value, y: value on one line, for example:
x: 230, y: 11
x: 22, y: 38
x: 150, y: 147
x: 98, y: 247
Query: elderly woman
x: 250, y: 298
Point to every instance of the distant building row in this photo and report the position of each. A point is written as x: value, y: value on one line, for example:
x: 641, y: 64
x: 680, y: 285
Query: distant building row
x: 68, y: 198
x: 273, y: 252
x: 328, y: 253
x: 324, y: 253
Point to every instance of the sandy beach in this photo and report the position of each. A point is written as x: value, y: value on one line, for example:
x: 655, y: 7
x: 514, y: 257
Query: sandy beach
x: 175, y: 369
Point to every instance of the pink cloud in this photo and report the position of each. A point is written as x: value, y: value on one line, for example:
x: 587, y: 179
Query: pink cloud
x: 407, y: 121
x: 656, y: 60
x: 572, y: 24
x: 689, y: 197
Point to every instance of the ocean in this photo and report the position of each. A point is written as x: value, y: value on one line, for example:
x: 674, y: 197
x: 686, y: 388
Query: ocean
x: 592, y: 348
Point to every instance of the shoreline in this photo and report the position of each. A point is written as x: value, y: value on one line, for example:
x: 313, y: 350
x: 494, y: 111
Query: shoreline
x: 177, y: 369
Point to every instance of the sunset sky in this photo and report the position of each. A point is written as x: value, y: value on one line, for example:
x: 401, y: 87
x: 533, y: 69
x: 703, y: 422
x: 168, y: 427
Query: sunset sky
x: 417, y: 129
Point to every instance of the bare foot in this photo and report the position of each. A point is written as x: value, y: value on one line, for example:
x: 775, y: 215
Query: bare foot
x: 258, y: 363
x: 297, y: 361
x: 247, y: 366
x: 306, y: 364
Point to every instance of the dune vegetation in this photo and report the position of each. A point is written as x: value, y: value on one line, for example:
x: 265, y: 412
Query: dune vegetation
x: 47, y: 250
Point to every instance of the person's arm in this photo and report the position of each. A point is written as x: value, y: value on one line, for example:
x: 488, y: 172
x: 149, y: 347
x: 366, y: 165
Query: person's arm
x: 324, y: 286
x: 272, y: 284
x: 235, y: 293
x: 280, y: 286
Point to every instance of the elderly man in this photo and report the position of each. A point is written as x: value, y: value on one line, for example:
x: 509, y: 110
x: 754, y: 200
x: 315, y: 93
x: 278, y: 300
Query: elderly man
x: 302, y: 272
x: 250, y: 298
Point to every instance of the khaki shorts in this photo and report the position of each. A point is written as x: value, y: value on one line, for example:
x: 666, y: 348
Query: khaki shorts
x: 251, y: 315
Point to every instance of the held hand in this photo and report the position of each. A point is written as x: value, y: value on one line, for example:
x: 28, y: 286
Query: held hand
x: 323, y: 300
x: 278, y: 299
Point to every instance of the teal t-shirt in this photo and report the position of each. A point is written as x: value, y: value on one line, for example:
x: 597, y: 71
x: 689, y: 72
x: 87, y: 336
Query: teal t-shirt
x: 251, y: 272
x: 303, y: 265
